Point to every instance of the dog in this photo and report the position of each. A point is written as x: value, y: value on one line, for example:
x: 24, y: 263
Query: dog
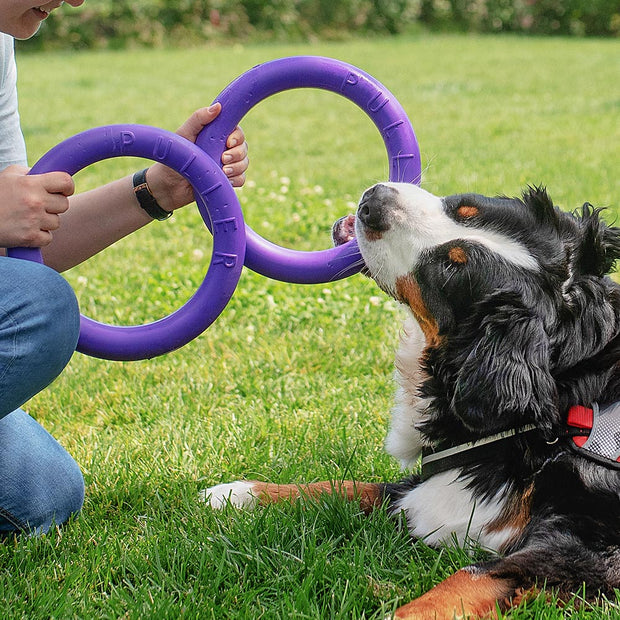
x: 508, y: 384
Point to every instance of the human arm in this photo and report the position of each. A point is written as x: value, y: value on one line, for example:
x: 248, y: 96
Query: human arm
x: 40, y: 210
x: 102, y: 216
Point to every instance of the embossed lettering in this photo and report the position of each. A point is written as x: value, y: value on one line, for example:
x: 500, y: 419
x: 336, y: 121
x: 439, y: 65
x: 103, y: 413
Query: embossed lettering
x: 377, y: 102
x: 228, y: 224
x: 211, y: 189
x: 350, y: 80
x: 162, y: 148
x: 222, y: 258
x: 127, y: 139
x: 400, y: 167
x: 188, y: 163
x: 391, y: 126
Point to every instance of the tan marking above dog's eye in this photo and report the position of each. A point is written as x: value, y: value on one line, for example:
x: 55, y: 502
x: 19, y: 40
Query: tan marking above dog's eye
x: 457, y: 255
x: 467, y: 211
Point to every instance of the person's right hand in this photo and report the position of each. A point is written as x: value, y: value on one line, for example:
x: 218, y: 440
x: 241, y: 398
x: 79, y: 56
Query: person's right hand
x: 30, y: 206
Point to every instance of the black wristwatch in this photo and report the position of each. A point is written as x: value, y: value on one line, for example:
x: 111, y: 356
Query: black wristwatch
x: 146, y: 199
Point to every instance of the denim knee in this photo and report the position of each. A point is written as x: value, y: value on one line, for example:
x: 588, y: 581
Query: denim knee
x: 57, y: 318
x: 40, y: 483
x: 39, y: 328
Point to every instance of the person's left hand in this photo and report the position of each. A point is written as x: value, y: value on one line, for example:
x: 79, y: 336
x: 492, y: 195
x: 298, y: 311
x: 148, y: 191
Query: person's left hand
x: 170, y: 189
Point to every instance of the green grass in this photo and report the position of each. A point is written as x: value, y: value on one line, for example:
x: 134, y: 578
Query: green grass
x: 292, y: 383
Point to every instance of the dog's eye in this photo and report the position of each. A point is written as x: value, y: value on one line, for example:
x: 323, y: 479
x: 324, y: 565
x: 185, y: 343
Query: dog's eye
x: 467, y: 211
x: 457, y: 255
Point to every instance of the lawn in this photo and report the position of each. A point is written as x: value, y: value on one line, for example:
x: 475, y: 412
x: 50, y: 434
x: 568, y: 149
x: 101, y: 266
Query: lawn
x: 292, y: 383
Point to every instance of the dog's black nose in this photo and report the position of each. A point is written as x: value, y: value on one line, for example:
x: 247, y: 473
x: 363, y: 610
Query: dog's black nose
x: 372, y: 208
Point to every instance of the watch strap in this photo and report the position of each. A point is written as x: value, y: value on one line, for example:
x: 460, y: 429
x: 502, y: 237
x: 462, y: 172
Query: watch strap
x: 146, y: 199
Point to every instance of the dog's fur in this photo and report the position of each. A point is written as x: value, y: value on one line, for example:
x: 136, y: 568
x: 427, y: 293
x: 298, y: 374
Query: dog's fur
x: 512, y: 321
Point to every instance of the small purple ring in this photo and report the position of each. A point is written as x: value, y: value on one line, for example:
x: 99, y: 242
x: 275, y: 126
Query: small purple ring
x: 372, y: 97
x: 218, y: 206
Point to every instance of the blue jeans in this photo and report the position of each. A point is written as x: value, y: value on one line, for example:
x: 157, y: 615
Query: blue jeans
x: 40, y: 484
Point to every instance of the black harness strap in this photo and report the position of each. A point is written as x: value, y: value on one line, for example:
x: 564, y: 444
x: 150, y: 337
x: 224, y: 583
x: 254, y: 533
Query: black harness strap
x: 592, y: 432
x: 440, y: 459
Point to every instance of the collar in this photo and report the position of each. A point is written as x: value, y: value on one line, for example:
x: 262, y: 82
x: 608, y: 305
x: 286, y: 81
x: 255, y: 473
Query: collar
x: 439, y: 459
x: 592, y: 432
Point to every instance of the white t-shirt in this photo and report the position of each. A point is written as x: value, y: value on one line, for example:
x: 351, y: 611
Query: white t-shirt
x: 12, y: 145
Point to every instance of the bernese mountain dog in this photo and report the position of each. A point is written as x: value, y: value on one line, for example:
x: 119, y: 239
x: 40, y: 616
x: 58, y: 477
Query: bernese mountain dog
x: 508, y: 386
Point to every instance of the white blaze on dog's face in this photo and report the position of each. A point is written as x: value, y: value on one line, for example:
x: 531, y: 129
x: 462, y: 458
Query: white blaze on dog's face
x: 397, y: 222
x: 410, y: 239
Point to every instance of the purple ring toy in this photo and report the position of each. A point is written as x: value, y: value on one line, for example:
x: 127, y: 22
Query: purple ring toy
x: 372, y: 97
x: 219, y: 208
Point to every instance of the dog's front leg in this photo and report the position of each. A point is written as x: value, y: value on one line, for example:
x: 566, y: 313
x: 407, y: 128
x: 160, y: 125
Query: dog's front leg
x: 250, y: 493
x: 469, y: 593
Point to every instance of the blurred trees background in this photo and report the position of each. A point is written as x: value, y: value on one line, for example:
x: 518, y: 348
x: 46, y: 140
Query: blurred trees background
x: 122, y: 23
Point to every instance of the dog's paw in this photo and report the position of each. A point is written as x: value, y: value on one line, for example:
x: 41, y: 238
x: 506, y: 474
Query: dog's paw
x: 237, y: 494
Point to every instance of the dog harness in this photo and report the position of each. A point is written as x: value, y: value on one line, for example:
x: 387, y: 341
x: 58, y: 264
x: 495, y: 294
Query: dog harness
x: 444, y: 457
x: 592, y: 432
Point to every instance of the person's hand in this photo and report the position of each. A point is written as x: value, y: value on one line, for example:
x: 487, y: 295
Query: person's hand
x: 170, y: 189
x: 30, y: 206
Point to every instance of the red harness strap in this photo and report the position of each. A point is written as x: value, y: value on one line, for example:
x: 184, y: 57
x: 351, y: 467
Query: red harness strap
x: 580, y: 417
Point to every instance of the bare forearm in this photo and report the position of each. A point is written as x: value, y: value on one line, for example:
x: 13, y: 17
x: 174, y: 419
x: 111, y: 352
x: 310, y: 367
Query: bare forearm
x: 79, y: 227
x: 95, y: 220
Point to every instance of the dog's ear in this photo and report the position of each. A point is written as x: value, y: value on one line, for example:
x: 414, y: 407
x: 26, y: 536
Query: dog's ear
x: 505, y: 379
x: 599, y: 246
x: 537, y: 199
x: 586, y: 342
x: 591, y: 314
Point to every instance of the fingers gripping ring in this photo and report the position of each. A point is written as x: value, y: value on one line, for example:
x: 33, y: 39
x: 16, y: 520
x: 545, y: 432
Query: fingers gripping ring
x: 372, y: 97
x: 219, y: 208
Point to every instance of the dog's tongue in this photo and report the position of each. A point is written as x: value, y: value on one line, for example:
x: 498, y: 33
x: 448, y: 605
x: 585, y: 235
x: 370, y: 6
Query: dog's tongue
x: 344, y: 229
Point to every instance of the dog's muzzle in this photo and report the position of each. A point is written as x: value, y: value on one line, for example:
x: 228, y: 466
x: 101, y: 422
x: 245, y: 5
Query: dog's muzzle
x: 374, y: 207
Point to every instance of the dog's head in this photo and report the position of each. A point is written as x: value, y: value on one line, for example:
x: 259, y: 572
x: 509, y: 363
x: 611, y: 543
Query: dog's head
x: 510, y: 293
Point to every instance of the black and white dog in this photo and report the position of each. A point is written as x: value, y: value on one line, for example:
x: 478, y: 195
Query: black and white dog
x: 508, y: 377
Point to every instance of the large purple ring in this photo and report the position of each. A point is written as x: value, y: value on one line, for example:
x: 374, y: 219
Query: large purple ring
x: 372, y: 97
x: 218, y: 206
